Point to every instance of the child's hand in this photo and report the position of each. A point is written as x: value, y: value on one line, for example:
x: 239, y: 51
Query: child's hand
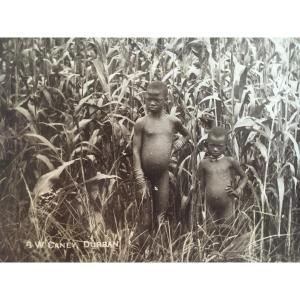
x: 146, y: 193
x: 143, y: 190
x: 142, y: 187
x: 178, y: 144
x: 233, y: 193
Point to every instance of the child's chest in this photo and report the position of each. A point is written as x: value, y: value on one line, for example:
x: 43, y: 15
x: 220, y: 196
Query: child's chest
x: 158, y: 127
x: 218, y: 169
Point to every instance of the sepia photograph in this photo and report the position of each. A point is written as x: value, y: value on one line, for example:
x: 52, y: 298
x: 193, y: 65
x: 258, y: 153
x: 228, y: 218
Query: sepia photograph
x: 143, y: 149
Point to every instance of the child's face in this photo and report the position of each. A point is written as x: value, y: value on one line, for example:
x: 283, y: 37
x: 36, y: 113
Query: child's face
x: 216, y: 145
x: 154, y: 100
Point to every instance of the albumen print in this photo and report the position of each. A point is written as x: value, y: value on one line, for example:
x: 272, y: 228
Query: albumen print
x: 149, y: 149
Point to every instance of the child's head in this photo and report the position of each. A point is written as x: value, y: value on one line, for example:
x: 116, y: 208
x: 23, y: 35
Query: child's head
x: 216, y: 141
x: 157, y: 93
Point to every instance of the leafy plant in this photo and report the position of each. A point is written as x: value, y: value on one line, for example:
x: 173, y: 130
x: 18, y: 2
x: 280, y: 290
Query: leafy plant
x: 68, y: 106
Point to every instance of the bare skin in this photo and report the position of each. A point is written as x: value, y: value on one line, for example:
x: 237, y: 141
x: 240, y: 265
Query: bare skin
x: 152, y: 147
x: 216, y: 180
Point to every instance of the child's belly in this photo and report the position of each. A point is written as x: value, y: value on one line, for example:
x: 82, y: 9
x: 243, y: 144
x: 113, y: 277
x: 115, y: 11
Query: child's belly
x: 216, y: 195
x: 156, y: 155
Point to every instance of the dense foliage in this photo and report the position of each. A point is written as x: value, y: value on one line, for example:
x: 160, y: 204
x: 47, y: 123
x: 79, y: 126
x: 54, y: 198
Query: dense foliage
x: 67, y: 109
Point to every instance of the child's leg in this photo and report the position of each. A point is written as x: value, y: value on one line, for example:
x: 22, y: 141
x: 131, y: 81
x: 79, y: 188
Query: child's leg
x: 227, y: 214
x: 160, y: 191
x: 144, y: 228
x: 226, y: 225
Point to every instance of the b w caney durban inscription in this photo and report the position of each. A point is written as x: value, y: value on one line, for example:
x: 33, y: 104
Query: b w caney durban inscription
x: 69, y: 245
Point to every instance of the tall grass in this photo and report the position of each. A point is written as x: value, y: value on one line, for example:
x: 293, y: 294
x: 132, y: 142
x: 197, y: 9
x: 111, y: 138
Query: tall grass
x: 68, y: 107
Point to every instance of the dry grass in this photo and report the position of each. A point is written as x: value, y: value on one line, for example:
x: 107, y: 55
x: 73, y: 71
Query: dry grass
x: 68, y: 107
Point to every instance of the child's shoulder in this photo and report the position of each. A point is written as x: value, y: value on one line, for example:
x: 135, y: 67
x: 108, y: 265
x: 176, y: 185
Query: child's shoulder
x: 140, y: 121
x: 173, y: 119
x: 231, y: 160
x: 204, y: 161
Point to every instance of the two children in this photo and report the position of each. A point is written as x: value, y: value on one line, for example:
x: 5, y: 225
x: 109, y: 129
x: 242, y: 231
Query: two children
x: 152, y: 147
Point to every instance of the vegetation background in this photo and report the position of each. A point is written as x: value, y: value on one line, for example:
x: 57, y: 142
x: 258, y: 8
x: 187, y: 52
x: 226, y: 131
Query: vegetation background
x: 68, y: 106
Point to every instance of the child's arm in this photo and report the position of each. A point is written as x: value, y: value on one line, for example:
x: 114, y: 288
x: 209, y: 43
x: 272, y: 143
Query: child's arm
x: 243, y: 179
x: 179, y: 143
x: 198, y: 200
x: 137, y: 165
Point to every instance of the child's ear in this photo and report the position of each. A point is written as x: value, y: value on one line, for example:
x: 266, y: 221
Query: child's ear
x: 203, y: 146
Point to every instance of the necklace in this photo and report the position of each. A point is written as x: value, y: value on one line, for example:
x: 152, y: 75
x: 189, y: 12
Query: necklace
x: 213, y: 158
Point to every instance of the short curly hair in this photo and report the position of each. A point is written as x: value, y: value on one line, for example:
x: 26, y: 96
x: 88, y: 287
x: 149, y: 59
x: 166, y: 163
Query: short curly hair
x: 158, y: 85
x: 217, y: 132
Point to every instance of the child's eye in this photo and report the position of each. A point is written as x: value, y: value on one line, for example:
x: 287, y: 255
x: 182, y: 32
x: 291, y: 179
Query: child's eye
x: 153, y: 98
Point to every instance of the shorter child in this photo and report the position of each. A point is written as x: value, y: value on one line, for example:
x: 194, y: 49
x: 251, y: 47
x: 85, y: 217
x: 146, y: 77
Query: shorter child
x: 217, y: 173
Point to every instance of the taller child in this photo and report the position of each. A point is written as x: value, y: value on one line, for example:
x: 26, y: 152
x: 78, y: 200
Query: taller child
x: 152, y: 147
